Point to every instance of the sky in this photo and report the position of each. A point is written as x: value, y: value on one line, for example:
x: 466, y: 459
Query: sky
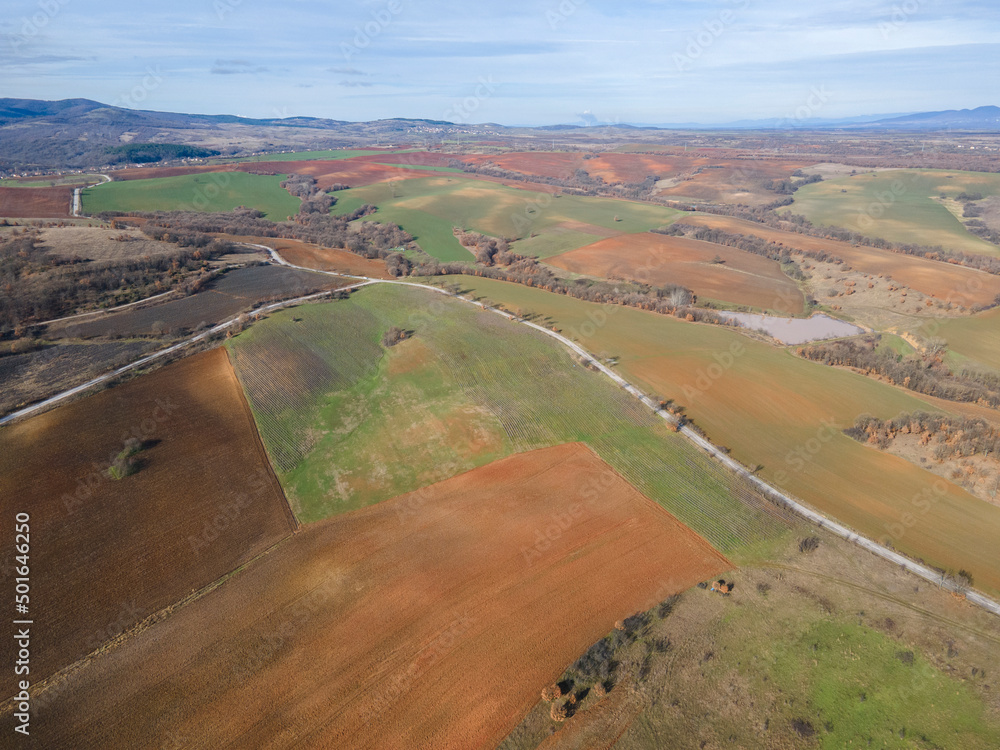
x: 516, y: 63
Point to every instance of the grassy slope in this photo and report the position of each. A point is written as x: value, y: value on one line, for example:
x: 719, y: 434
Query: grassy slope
x: 840, y: 657
x: 432, y: 206
x: 769, y: 407
x: 470, y: 387
x: 216, y: 191
x: 977, y: 338
x: 907, y: 197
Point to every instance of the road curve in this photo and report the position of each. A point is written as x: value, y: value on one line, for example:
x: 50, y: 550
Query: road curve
x: 77, y: 205
x: 772, y: 492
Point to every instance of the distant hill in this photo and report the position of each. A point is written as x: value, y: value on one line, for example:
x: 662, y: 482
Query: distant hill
x: 81, y: 133
x: 981, y: 118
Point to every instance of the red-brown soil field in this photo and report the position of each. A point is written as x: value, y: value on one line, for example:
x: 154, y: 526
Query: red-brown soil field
x: 308, y: 255
x: 430, y: 620
x: 934, y: 278
x: 697, y: 176
x: 36, y: 203
x: 742, y: 278
x: 105, y: 553
x: 148, y: 173
x: 353, y: 172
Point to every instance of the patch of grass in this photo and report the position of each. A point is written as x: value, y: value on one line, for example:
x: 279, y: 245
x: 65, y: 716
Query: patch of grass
x: 210, y: 191
x: 899, y: 206
x: 974, y: 338
x: 896, y: 345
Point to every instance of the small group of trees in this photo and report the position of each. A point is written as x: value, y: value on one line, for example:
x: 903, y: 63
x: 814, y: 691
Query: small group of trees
x: 951, y: 437
x: 393, y: 336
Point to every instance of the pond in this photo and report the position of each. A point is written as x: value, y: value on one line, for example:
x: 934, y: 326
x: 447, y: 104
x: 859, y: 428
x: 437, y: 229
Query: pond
x: 794, y: 330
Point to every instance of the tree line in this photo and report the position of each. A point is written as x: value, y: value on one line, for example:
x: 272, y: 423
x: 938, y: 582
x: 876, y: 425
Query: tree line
x: 926, y: 374
x: 952, y: 437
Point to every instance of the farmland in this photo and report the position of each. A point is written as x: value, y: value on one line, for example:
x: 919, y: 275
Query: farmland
x: 465, y: 389
x: 236, y: 291
x: 899, y: 206
x: 291, y: 657
x: 681, y: 176
x: 977, y: 338
x: 115, y: 552
x: 428, y: 208
x: 709, y: 270
x: 945, y: 281
x: 785, y: 415
x: 35, y: 203
x: 215, y: 191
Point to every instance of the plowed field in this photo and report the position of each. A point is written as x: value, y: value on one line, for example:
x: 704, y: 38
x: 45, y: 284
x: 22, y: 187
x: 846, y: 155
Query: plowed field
x: 430, y: 620
x: 105, y: 553
x: 709, y: 270
x: 35, y: 203
x: 942, y: 280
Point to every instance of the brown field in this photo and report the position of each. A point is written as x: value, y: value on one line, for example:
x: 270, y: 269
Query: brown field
x: 108, y: 553
x: 353, y: 172
x: 935, y: 279
x: 148, y: 173
x: 742, y: 278
x: 309, y: 255
x: 36, y: 203
x: 430, y: 620
x: 705, y: 176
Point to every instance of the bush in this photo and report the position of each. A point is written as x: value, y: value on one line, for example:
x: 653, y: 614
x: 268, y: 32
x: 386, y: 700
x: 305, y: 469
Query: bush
x: 393, y: 336
x: 551, y: 693
x: 809, y: 544
x: 125, y: 463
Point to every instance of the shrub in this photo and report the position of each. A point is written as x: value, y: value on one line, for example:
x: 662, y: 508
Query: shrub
x: 393, y: 336
x: 809, y: 544
x: 551, y: 693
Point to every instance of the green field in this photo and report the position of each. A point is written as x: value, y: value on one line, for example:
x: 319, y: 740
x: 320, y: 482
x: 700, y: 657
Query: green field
x: 210, y: 191
x: 428, y: 208
x: 976, y: 338
x: 469, y: 387
x: 899, y: 206
x: 785, y: 414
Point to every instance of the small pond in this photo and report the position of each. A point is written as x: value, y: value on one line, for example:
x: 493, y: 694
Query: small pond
x: 794, y: 330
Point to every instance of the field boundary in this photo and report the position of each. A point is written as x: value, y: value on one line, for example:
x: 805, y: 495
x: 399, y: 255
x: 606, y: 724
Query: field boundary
x: 782, y: 498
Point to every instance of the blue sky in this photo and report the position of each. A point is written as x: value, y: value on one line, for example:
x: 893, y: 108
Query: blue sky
x: 537, y: 62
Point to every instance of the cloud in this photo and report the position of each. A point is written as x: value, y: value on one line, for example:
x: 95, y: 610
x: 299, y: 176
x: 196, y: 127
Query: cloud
x: 347, y: 71
x: 356, y: 84
x: 235, y: 67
